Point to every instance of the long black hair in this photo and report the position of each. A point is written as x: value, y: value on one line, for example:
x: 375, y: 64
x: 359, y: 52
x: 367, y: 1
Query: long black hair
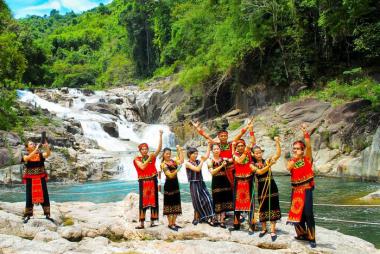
x: 166, y: 149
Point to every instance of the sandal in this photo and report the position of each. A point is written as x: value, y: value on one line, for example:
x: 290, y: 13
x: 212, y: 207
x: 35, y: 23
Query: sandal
x: 212, y: 223
x: 313, y: 244
x: 273, y: 236
x: 49, y: 218
x: 177, y: 226
x: 222, y: 225
x: 26, y: 219
x: 140, y: 227
x: 172, y: 227
x: 301, y: 238
x: 153, y: 225
x: 195, y: 222
x: 262, y: 233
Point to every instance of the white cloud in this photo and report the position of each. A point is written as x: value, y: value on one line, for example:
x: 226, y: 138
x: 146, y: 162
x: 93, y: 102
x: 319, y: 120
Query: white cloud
x: 39, y: 9
x: 78, y: 6
x: 74, y: 5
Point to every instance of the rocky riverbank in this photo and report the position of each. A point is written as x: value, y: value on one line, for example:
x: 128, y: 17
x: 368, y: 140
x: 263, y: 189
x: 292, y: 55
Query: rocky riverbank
x: 82, y: 227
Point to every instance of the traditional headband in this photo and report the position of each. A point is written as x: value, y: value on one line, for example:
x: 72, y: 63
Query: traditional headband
x: 240, y: 141
x: 299, y: 142
x: 142, y: 145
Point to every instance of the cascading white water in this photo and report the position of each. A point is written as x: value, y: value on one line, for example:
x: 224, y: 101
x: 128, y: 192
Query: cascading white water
x: 91, y: 125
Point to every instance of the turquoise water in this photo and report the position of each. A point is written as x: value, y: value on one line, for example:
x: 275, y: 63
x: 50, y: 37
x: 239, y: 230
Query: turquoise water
x: 328, y: 191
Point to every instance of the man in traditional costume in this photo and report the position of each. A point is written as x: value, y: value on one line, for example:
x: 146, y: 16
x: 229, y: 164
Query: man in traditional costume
x: 147, y: 176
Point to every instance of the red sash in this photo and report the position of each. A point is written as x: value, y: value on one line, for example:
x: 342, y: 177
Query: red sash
x: 226, y: 152
x: 149, y: 193
x: 243, y: 198
x: 298, y: 203
x: 37, y: 192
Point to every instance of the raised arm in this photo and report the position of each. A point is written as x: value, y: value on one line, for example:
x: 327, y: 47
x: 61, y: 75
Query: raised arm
x: 243, y: 131
x: 278, y: 149
x: 197, y: 126
x: 252, y: 138
x: 207, y: 154
x: 157, y: 152
x: 29, y: 156
x: 308, y: 152
x: 180, y: 154
x: 47, y: 150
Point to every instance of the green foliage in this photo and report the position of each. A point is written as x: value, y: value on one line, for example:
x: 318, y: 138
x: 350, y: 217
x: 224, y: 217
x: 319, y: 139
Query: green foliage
x: 234, y: 125
x: 273, y: 131
x: 198, y: 41
x: 12, y: 61
x: 339, y: 92
x: 8, y: 114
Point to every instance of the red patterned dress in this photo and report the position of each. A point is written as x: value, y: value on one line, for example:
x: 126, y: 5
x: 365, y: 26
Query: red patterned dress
x: 148, y: 188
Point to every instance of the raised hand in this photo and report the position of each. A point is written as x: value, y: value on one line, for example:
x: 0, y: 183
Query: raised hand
x: 250, y: 123
x: 196, y: 124
x: 277, y: 139
x: 161, y: 132
x: 304, y: 127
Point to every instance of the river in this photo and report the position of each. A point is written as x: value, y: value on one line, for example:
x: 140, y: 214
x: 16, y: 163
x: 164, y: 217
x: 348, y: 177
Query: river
x: 330, y: 191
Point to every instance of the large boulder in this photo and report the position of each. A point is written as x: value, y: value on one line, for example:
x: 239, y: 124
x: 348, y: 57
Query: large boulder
x: 104, y: 108
x: 307, y: 110
x: 111, y: 128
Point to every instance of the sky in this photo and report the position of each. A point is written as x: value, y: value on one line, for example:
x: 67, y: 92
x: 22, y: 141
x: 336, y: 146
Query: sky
x: 22, y: 8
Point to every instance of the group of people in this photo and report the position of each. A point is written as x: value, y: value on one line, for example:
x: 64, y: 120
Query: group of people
x: 235, y: 168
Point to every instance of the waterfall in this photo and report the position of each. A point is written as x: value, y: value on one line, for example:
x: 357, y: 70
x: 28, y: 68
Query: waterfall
x: 130, y: 134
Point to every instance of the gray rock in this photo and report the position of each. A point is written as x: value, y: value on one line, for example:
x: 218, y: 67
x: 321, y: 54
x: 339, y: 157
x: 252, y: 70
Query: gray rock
x: 307, y: 110
x: 103, y: 108
x: 111, y: 128
x: 109, y: 228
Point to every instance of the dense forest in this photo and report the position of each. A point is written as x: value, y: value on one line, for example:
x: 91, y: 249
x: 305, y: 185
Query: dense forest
x: 333, y: 47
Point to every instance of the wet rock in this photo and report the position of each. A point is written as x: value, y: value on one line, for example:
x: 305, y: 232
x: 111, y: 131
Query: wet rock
x: 103, y: 108
x: 111, y: 128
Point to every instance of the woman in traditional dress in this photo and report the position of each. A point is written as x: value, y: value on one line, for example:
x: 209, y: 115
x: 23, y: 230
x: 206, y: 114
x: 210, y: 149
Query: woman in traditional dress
x: 201, y: 198
x: 172, y: 196
x: 267, y: 194
x: 302, y: 180
x: 147, y: 176
x: 35, y: 178
x: 244, y: 183
x: 220, y: 186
